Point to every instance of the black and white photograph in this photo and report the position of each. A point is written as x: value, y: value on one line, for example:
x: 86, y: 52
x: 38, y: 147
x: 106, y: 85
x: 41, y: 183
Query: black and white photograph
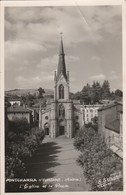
x: 63, y: 98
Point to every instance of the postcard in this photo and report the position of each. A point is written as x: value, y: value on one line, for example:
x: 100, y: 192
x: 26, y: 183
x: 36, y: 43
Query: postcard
x: 62, y: 92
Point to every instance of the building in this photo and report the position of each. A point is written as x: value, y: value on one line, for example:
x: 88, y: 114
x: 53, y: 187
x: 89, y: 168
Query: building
x: 90, y: 111
x: 60, y: 116
x: 63, y: 116
x: 34, y: 113
x: 16, y: 111
x: 17, y: 102
x: 110, y: 125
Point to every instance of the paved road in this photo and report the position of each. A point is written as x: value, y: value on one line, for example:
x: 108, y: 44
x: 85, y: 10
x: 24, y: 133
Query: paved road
x: 55, y: 161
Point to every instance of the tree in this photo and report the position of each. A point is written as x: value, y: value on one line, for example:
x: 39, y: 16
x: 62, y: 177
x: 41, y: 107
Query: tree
x: 93, y: 94
x: 85, y: 94
x: 105, y: 89
x: 29, y: 99
x: 23, y: 100
x: 118, y: 93
x: 94, y: 85
x: 41, y: 91
x: 95, y: 120
x: 98, y: 162
x: 76, y: 96
x: 19, y: 126
x: 98, y: 89
x: 21, y: 145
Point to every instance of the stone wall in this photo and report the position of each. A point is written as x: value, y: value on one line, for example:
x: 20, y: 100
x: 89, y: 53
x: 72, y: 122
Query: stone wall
x: 106, y: 116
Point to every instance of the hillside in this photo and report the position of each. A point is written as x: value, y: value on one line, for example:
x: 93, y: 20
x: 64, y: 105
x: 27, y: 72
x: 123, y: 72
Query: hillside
x: 24, y: 92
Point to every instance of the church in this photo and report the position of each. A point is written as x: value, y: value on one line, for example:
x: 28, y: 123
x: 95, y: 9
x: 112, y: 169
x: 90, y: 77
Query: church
x: 62, y: 115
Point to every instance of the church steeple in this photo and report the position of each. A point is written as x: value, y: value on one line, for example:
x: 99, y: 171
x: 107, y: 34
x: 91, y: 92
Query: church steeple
x: 61, y: 78
x: 61, y: 63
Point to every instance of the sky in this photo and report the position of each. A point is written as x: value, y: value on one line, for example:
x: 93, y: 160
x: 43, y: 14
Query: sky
x: 92, y: 38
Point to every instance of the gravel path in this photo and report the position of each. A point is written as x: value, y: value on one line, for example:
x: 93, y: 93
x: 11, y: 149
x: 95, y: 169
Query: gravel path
x: 55, y: 162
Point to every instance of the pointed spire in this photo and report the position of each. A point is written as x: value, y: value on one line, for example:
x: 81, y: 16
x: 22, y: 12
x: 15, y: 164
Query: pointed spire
x: 61, y: 63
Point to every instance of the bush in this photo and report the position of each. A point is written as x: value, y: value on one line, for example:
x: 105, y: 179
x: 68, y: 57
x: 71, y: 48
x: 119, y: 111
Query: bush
x: 83, y: 138
x: 19, y: 126
x: 14, y: 167
x: 94, y: 126
x: 21, y: 144
x: 95, y: 120
x: 97, y: 161
x: 88, y: 125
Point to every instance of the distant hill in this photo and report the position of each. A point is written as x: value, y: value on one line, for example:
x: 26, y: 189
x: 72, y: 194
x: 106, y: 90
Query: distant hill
x: 24, y: 92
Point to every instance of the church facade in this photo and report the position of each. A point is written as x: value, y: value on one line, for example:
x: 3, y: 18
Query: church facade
x: 62, y: 116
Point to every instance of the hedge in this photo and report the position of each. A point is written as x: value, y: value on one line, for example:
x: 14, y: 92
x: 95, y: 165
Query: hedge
x: 101, y: 167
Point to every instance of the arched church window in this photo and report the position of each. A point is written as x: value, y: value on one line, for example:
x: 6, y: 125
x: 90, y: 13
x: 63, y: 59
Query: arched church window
x: 77, y: 117
x: 61, y: 111
x: 46, y: 117
x: 61, y: 92
x: 77, y: 125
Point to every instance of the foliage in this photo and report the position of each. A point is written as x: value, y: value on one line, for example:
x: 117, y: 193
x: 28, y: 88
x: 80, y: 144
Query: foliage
x: 87, y: 125
x: 30, y: 99
x: 19, y: 125
x: 98, y: 162
x: 14, y: 167
x: 91, y: 94
x: 21, y: 144
x: 94, y: 124
x: 41, y: 91
x: 118, y: 93
x: 95, y: 119
x: 105, y: 89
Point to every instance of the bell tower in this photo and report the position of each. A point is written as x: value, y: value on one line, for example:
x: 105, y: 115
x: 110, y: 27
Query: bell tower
x: 62, y: 106
x: 61, y: 77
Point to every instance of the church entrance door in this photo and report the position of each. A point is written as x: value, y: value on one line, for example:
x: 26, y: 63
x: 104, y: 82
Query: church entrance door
x: 46, y: 127
x: 47, y: 131
x: 61, y: 127
x: 61, y: 130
